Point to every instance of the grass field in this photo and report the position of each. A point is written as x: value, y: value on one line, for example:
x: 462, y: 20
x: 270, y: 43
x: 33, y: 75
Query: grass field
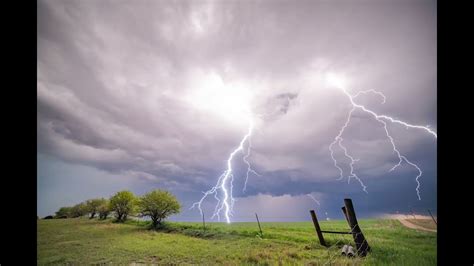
x: 84, y: 241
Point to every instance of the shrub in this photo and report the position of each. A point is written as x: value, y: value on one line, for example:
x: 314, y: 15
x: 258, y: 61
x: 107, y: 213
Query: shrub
x: 79, y: 210
x: 104, y: 210
x: 93, y: 205
x: 158, y: 205
x: 64, y: 212
x: 123, y: 204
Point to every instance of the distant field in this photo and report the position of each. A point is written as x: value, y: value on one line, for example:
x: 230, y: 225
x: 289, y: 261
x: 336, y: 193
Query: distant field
x: 84, y: 241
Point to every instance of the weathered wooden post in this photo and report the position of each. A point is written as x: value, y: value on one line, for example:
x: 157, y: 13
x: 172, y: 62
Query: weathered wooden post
x: 359, y: 239
x: 318, y: 229
x: 261, y: 233
x: 345, y: 213
x: 203, y: 222
x: 433, y: 217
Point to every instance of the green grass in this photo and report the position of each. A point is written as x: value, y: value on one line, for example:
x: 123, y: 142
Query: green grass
x: 84, y: 241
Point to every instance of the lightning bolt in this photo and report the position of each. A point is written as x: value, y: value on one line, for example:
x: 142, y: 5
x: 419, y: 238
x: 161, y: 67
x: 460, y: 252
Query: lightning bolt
x: 224, y: 184
x: 315, y: 200
x: 382, y: 119
x: 249, y: 167
x: 319, y: 204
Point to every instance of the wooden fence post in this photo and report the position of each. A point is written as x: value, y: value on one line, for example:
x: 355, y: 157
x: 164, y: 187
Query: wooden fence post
x: 318, y: 229
x: 345, y: 214
x: 359, y: 239
x: 203, y: 222
x: 433, y: 217
x: 261, y: 233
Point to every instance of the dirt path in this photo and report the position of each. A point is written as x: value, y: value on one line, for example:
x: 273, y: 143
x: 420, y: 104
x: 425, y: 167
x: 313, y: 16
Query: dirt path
x: 414, y: 226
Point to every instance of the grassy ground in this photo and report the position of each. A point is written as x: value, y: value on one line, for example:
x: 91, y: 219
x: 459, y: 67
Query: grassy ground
x: 84, y: 241
x: 427, y: 223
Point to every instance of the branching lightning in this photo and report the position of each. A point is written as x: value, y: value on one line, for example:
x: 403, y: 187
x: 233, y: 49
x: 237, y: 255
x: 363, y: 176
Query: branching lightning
x: 249, y: 167
x: 225, y: 202
x: 381, y: 119
x: 223, y: 190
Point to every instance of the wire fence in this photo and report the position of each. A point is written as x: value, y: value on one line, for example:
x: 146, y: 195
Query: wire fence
x: 336, y: 241
x: 301, y: 218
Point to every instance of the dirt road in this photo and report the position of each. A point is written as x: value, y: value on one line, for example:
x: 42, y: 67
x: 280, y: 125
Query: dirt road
x: 414, y: 226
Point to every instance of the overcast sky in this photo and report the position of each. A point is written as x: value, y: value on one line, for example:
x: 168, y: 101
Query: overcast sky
x: 141, y: 95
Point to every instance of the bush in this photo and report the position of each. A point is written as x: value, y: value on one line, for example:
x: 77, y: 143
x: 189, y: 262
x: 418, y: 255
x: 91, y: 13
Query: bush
x: 48, y: 217
x: 123, y: 204
x: 93, y: 205
x: 79, y: 210
x: 104, y: 210
x: 64, y: 212
x: 158, y: 205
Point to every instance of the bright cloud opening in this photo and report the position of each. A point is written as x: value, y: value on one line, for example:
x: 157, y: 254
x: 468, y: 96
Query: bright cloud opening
x: 231, y: 101
x: 336, y: 80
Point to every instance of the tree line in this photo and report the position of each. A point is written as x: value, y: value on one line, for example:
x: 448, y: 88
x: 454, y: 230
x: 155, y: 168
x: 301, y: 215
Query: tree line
x: 157, y: 204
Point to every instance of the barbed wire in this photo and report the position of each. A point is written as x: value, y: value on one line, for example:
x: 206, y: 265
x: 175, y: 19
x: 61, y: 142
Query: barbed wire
x: 339, y: 241
x: 239, y: 217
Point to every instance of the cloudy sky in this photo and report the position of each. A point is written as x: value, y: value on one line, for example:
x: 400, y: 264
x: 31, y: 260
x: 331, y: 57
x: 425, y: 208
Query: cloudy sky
x: 141, y: 95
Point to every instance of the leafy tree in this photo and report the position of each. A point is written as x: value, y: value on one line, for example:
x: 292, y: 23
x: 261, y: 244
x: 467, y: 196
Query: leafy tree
x: 79, y: 210
x: 123, y: 204
x: 158, y: 204
x: 64, y: 212
x: 104, y: 210
x: 92, y: 206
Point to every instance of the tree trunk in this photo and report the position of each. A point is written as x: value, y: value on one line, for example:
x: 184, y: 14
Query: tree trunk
x: 92, y: 215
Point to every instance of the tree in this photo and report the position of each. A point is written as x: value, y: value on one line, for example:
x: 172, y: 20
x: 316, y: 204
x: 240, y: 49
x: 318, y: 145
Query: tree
x: 122, y: 203
x: 64, y: 212
x: 158, y: 204
x: 79, y: 210
x: 104, y: 210
x: 92, y: 206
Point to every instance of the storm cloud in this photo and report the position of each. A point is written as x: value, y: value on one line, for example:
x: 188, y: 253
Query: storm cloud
x: 116, y: 83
